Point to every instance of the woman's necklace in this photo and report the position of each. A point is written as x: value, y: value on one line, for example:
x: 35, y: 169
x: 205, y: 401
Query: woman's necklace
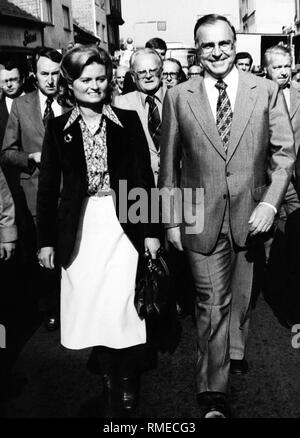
x: 94, y: 123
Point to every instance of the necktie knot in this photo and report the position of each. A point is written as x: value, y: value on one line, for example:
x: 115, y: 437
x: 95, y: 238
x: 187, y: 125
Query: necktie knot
x: 150, y: 100
x: 220, y: 85
x: 154, y: 122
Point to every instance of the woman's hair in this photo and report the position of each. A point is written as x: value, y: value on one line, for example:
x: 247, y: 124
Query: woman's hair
x: 73, y: 63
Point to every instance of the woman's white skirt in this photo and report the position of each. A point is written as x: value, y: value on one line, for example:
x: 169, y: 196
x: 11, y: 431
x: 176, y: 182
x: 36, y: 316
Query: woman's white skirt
x: 97, y: 289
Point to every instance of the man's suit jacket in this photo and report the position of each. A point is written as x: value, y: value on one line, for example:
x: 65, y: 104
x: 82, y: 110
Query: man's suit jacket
x: 8, y: 230
x: 295, y: 112
x: 132, y: 101
x: 257, y: 167
x: 3, y: 119
x: 128, y: 159
x: 24, y: 135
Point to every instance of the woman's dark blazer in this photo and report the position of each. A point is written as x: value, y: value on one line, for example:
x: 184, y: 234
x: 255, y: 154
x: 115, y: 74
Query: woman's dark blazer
x: 63, y: 157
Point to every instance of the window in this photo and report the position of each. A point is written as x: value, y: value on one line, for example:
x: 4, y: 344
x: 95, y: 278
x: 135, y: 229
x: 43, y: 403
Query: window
x: 103, y: 33
x: 47, y: 11
x: 98, y: 28
x: 66, y: 16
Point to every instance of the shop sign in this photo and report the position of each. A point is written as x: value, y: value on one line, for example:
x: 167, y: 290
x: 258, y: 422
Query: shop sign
x: 20, y: 37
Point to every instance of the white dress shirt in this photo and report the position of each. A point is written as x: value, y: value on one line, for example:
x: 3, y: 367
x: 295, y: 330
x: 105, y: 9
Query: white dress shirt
x: 232, y: 81
x: 287, y: 96
x: 56, y: 108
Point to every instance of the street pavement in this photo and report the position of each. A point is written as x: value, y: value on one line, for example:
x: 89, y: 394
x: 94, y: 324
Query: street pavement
x: 59, y: 385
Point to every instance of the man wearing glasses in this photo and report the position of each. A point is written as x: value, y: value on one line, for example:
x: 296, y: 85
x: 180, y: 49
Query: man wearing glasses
x: 231, y: 131
x: 172, y: 73
x: 146, y: 68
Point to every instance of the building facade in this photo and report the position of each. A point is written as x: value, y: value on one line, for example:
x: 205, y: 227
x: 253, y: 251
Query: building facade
x: 20, y: 31
x: 91, y: 15
x: 267, y: 16
x: 56, y: 15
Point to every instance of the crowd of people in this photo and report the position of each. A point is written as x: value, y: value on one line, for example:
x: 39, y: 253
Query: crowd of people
x: 77, y: 128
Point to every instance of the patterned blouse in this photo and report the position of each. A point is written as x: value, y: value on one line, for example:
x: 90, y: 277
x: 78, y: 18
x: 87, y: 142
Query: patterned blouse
x: 95, y: 148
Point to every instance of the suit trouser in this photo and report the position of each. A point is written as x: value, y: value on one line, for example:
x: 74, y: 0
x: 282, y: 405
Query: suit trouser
x: 215, y: 275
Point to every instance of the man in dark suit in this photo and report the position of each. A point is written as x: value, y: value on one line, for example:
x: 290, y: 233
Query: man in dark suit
x: 229, y: 135
x: 21, y: 151
x: 11, y: 81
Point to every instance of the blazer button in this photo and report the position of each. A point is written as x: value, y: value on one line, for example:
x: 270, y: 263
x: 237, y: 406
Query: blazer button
x: 228, y: 174
x: 224, y: 196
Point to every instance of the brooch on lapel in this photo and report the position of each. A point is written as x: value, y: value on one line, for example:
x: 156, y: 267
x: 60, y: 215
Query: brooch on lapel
x: 68, y: 138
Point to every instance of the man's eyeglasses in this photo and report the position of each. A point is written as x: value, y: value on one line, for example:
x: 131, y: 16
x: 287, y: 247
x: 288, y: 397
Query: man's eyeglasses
x: 172, y: 75
x: 224, y: 46
x: 193, y: 74
x: 141, y: 74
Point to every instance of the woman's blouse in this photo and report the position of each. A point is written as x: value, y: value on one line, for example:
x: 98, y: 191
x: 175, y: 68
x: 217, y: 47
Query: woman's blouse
x: 95, y: 148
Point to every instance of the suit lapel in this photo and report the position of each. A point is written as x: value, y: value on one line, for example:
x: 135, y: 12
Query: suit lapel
x: 33, y: 112
x: 200, y: 106
x: 244, y: 105
x: 3, y: 110
x: 295, y: 100
x: 114, y: 134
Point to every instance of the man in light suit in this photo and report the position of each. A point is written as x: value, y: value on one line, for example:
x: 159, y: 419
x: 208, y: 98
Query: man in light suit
x: 231, y: 131
x: 21, y: 151
x: 278, y: 63
x: 146, y: 67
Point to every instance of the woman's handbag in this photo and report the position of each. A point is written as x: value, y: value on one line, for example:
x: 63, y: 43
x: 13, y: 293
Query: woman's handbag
x: 152, y: 286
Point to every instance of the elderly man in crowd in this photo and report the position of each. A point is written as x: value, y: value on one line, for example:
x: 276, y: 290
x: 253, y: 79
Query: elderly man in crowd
x: 146, y: 67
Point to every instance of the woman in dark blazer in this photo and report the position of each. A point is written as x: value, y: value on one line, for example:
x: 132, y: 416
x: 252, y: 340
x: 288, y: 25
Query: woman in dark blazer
x: 92, y: 158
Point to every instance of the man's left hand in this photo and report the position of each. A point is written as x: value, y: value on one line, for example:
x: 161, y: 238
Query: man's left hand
x: 261, y: 219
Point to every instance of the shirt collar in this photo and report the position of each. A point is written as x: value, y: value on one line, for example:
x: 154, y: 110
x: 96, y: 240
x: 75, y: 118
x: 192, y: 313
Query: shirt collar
x: 107, y: 111
x: 43, y: 98
x: 159, y: 95
x: 230, y: 80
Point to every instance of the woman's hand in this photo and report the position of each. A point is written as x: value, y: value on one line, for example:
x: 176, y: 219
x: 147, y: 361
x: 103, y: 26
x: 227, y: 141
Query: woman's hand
x: 46, y: 257
x: 152, y: 245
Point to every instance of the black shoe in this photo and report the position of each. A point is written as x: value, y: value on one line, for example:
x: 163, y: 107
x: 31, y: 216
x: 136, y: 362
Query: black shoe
x: 52, y: 323
x: 239, y: 367
x: 129, y: 392
x: 213, y: 405
x: 111, y: 406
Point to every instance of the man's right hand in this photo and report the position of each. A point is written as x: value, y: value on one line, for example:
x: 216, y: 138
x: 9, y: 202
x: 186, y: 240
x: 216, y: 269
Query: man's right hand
x: 35, y: 156
x: 174, y: 237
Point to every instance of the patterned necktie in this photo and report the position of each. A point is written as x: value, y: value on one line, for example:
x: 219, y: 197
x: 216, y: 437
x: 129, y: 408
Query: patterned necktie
x: 224, y: 114
x: 154, y: 122
x: 48, y: 114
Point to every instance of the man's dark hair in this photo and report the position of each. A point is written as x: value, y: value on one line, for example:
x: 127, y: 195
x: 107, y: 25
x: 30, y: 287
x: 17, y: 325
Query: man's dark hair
x: 13, y: 62
x: 51, y: 54
x: 212, y: 19
x: 156, y: 43
x: 243, y: 55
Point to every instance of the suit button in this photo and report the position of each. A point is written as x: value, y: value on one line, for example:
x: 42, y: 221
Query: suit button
x: 224, y: 196
x: 228, y: 174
